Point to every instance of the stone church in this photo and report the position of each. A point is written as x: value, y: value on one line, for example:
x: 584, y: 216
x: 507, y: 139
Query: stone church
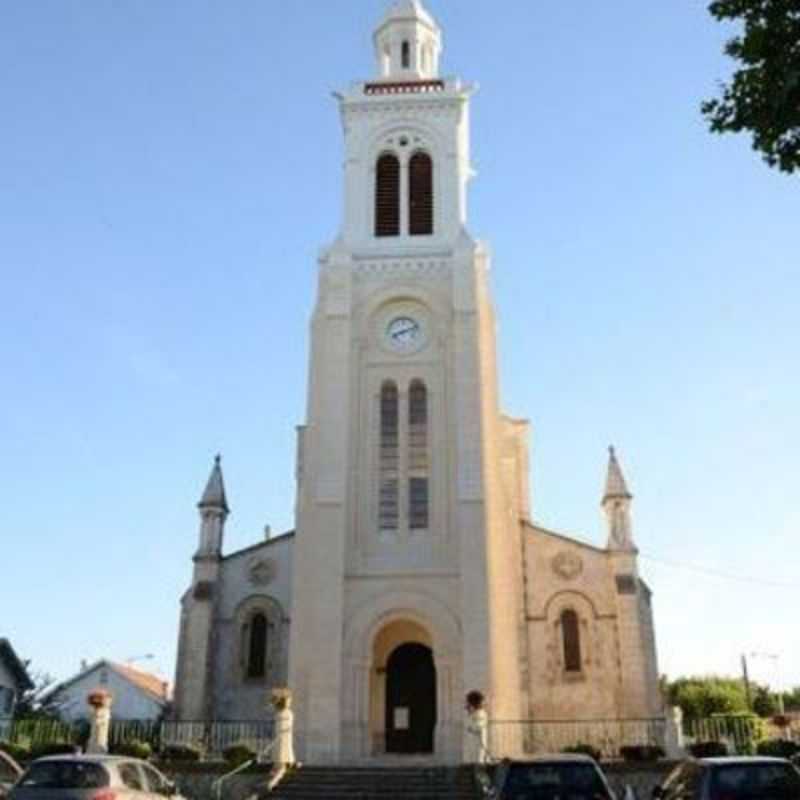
x: 416, y: 571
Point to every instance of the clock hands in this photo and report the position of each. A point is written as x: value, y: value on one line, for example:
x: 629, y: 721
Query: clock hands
x: 403, y: 331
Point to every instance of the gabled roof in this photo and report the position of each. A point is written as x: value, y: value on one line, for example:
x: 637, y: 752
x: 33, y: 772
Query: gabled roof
x: 539, y: 529
x: 145, y: 681
x: 17, y: 667
x: 253, y: 547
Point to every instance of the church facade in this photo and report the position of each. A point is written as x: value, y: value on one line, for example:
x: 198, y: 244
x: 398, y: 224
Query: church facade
x: 416, y: 572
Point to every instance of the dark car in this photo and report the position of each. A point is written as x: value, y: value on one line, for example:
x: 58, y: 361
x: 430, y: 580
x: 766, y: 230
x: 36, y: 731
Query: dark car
x: 734, y: 778
x: 9, y: 774
x: 556, y: 777
x: 86, y: 777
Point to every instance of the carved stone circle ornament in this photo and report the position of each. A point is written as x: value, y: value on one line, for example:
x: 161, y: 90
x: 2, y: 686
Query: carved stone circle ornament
x: 261, y: 571
x: 567, y: 565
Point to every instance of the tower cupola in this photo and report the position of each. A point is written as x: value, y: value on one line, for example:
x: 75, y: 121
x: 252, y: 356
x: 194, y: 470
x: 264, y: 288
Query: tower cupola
x: 408, y: 43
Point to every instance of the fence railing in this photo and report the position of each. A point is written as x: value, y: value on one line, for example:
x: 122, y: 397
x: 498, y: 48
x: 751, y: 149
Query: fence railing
x: 516, y: 739
x: 739, y: 732
x: 210, y: 738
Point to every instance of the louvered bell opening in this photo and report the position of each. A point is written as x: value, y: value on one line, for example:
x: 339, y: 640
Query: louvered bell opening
x: 418, y: 427
x: 420, y: 188
x: 389, y: 495
x: 387, y: 196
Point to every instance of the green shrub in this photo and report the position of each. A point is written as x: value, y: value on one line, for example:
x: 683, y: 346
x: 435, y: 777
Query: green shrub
x: 133, y: 749
x: 708, y: 749
x: 779, y: 748
x: 584, y: 749
x: 52, y: 749
x: 237, y: 754
x: 181, y: 752
x: 641, y: 752
x: 17, y: 751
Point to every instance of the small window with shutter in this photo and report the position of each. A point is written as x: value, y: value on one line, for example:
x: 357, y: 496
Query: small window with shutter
x: 571, y: 634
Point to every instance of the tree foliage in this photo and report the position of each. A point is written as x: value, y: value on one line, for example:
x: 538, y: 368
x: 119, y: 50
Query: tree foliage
x: 700, y: 697
x: 791, y: 699
x: 763, y: 96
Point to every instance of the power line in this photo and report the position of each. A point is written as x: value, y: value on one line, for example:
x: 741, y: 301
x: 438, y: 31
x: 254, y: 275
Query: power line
x: 719, y: 573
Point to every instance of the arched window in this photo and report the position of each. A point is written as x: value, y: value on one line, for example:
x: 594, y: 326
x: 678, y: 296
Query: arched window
x: 420, y: 195
x: 387, y: 196
x: 571, y: 634
x: 417, y: 456
x: 257, y: 646
x: 389, y: 509
x: 406, y: 55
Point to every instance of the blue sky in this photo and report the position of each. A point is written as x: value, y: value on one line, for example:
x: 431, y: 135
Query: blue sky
x: 169, y: 172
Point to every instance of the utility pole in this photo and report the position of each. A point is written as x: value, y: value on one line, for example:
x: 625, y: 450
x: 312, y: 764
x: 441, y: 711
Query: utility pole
x: 746, y: 679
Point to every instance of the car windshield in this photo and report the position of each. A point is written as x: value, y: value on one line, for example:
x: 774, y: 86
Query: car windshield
x: 548, y: 781
x: 65, y: 775
x: 755, y: 782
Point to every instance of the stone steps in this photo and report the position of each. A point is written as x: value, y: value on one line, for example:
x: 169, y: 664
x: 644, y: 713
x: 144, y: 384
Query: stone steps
x: 375, y: 783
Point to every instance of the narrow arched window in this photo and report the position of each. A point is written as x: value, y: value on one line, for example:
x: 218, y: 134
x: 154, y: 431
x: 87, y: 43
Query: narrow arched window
x: 418, y: 499
x: 406, y: 55
x: 571, y: 634
x: 420, y: 195
x: 257, y: 647
x: 388, y: 457
x: 387, y: 196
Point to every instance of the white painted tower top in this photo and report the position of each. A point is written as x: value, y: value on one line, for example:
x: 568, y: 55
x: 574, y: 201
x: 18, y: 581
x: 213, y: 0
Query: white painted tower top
x: 408, y: 43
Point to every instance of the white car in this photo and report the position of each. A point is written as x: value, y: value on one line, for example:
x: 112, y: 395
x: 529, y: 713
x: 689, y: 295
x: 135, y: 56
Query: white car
x: 92, y: 777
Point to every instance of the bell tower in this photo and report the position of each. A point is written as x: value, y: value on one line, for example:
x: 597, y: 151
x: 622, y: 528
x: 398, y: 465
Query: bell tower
x: 405, y: 544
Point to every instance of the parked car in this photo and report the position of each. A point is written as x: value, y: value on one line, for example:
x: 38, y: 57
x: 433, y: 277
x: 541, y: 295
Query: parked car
x: 731, y: 778
x: 556, y: 777
x: 9, y: 774
x: 95, y: 777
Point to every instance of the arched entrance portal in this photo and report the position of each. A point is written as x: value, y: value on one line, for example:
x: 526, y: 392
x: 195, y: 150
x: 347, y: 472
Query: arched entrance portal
x: 403, y: 693
x: 410, y: 699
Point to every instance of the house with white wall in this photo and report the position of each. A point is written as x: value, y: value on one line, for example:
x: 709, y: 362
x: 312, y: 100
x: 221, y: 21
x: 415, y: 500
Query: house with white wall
x: 136, y: 694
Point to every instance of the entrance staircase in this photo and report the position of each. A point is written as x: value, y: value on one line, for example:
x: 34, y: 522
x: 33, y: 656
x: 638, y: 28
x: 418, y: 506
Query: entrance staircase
x: 376, y: 783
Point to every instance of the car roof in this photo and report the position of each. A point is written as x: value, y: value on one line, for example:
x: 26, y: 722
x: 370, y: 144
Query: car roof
x: 573, y: 758
x: 741, y: 760
x: 98, y: 758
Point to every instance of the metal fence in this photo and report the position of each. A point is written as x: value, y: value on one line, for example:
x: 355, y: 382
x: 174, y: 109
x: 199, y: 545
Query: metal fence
x: 209, y: 738
x: 515, y: 739
x: 739, y: 732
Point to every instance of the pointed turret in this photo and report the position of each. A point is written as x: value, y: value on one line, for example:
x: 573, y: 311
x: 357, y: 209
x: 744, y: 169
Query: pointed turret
x: 214, y: 494
x: 615, y: 480
x: 214, y: 510
x: 617, y: 506
x: 408, y: 43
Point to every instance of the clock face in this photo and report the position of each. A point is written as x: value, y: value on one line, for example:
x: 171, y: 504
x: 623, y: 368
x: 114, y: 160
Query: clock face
x: 403, y: 333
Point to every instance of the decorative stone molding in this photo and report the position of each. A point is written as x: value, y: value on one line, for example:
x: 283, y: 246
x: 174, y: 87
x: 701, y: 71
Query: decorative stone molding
x: 567, y: 565
x: 417, y: 268
x: 261, y: 571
